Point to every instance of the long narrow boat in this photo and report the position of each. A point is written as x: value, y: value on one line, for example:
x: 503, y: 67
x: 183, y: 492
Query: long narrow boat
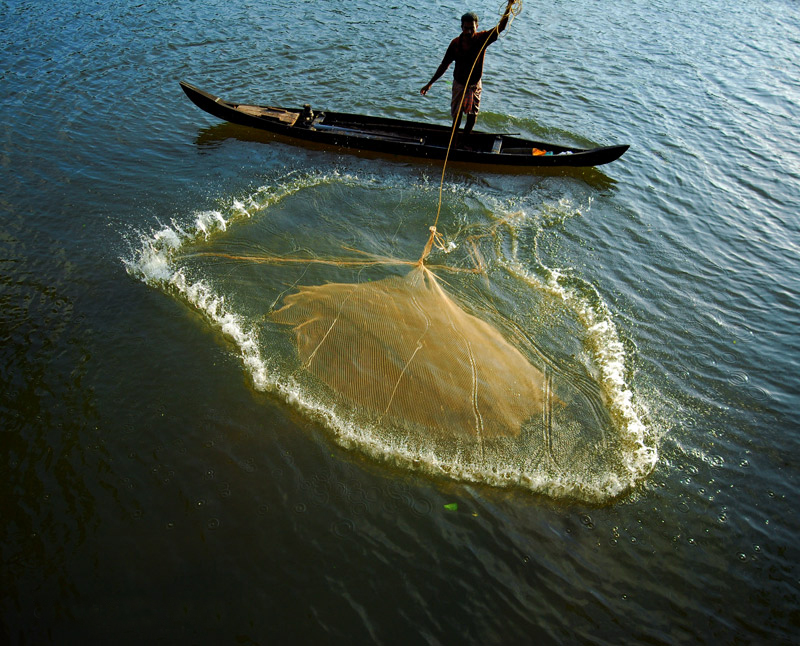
x: 397, y: 137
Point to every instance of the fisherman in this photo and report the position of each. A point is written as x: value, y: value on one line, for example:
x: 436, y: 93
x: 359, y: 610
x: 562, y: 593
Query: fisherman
x: 467, y: 50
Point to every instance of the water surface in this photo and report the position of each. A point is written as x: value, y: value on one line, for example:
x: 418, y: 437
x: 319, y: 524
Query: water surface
x: 152, y: 487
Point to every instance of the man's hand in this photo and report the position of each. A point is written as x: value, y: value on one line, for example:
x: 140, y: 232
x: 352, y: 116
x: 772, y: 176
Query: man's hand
x: 425, y: 89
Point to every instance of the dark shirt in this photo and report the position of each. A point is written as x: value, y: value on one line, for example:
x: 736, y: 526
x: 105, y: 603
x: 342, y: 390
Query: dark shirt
x: 464, y: 52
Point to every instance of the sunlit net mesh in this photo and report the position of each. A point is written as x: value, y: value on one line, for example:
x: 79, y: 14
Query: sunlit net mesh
x: 423, y: 378
x: 404, y: 350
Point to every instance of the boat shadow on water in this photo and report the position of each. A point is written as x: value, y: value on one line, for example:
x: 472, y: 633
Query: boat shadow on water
x: 214, y: 136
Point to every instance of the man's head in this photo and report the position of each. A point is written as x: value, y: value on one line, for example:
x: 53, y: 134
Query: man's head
x: 469, y: 23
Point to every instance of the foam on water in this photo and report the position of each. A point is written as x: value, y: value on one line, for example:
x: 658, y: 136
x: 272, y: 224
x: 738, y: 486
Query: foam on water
x: 609, y: 354
x: 156, y: 260
x: 602, y: 340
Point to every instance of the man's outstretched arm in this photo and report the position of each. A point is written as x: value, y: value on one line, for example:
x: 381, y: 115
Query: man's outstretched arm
x: 437, y: 75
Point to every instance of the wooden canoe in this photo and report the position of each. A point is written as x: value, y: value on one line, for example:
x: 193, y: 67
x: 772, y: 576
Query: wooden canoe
x: 397, y: 137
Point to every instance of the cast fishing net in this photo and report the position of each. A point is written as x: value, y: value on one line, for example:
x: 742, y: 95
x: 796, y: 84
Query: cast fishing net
x: 433, y: 382
x: 402, y: 350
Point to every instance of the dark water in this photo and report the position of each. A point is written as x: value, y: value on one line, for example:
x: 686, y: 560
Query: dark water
x: 158, y: 485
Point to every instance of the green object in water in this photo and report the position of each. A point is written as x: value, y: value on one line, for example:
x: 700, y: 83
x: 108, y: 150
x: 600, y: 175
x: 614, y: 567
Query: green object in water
x: 453, y: 506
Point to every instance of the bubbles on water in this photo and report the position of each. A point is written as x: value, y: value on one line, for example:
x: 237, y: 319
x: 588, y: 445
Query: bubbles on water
x: 421, y: 507
x: 343, y: 528
x: 738, y: 378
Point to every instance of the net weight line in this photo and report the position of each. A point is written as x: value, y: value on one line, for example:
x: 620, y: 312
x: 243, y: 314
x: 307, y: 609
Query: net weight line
x: 435, y: 238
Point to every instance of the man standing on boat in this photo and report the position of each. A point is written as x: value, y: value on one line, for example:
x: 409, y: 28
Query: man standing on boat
x: 467, y: 51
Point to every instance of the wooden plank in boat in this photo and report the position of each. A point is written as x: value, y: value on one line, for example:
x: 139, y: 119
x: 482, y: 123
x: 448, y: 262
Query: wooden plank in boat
x: 284, y: 116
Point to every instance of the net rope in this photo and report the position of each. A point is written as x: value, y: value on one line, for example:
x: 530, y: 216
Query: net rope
x: 435, y: 238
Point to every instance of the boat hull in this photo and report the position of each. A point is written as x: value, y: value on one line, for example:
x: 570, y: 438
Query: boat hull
x: 398, y: 137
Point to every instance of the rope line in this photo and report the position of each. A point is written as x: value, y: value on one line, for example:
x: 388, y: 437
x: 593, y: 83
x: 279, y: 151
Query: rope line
x: 435, y: 238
